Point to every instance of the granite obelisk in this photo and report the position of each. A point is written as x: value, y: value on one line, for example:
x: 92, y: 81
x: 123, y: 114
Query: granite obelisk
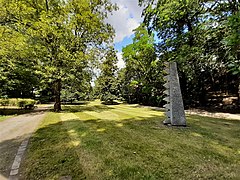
x: 174, y: 107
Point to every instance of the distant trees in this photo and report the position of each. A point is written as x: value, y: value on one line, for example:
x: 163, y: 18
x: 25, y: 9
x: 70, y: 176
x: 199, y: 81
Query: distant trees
x: 106, y: 83
x: 143, y: 72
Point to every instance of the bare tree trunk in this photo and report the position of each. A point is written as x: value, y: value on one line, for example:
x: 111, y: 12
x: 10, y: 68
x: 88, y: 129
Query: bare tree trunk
x: 46, y: 1
x: 57, y: 91
x: 239, y: 94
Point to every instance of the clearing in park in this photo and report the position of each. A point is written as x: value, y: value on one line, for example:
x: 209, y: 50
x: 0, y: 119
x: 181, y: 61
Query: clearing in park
x: 96, y: 141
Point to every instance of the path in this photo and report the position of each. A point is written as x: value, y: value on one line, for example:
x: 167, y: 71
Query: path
x: 200, y: 113
x: 213, y: 114
x: 12, y: 133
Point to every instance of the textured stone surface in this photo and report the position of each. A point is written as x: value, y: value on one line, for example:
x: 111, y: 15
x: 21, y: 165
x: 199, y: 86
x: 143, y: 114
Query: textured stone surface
x: 65, y: 178
x: 176, y: 102
x: 14, y: 172
x: 167, y: 99
x: 18, y: 158
x: 167, y: 106
x: 175, y: 114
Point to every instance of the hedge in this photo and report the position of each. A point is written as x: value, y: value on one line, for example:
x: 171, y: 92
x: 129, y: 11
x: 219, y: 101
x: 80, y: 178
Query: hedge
x: 16, y: 102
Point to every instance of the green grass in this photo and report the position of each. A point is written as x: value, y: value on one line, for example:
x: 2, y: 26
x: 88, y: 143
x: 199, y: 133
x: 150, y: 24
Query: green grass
x: 96, y: 141
x: 2, y: 118
x: 13, y: 111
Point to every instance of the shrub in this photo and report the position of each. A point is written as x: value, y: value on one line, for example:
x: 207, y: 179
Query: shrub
x: 17, y: 102
x: 4, y: 102
x: 21, y: 103
x: 108, y: 98
x: 12, y: 102
x: 26, y: 102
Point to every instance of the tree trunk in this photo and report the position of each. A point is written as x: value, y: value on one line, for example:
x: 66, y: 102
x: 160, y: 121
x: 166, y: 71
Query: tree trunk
x: 57, y: 91
x: 46, y: 1
x: 239, y: 94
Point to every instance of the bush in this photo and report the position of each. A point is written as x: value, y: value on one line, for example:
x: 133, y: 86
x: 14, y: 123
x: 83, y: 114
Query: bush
x: 4, y: 102
x: 22, y: 103
x: 108, y: 98
x: 26, y: 102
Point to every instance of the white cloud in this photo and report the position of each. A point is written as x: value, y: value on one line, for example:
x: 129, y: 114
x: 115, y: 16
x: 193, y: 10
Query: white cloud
x: 126, y: 19
x: 120, y: 63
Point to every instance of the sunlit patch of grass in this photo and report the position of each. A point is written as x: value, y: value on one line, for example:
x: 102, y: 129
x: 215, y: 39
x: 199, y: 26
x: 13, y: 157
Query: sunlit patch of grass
x: 129, y: 142
x: 51, y: 153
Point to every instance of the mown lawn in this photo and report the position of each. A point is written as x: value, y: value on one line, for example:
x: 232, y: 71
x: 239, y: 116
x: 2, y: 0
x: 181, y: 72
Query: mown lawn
x: 96, y: 141
x: 2, y: 117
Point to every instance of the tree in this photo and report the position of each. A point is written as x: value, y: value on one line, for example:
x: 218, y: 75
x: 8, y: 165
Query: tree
x: 143, y: 70
x: 106, y: 82
x: 196, y: 35
x: 16, y: 65
x: 61, y: 34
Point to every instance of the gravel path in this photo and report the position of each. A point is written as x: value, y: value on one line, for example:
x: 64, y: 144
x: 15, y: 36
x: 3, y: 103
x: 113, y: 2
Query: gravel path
x: 13, y: 132
x: 200, y: 113
x: 213, y: 114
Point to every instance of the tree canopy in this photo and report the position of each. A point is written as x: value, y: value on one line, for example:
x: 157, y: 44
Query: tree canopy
x: 203, y: 37
x: 59, y: 36
x: 55, y: 49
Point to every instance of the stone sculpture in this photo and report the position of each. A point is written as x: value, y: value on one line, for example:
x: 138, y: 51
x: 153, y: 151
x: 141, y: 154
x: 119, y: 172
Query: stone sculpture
x: 175, y: 114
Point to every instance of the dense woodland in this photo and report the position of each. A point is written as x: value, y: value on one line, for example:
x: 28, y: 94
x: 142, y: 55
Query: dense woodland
x: 51, y: 50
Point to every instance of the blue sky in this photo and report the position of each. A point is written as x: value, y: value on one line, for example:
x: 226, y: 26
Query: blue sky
x: 124, y: 21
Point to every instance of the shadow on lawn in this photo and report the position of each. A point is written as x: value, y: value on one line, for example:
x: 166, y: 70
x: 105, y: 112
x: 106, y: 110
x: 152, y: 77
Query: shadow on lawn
x: 16, y: 111
x: 96, y: 108
x: 132, y: 149
x: 76, y: 103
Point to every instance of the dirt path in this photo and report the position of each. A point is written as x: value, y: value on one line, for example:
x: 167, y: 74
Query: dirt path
x: 200, y: 113
x: 213, y: 114
x: 12, y: 132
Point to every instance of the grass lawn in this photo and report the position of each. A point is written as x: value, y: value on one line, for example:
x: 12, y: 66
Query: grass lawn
x: 2, y: 118
x: 13, y: 111
x: 96, y: 141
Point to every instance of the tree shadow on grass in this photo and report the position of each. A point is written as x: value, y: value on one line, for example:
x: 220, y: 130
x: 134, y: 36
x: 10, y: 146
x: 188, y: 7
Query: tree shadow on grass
x: 110, y: 103
x: 51, y: 156
x: 96, y: 108
x: 76, y: 103
x: 132, y: 149
x: 217, y: 128
x: 16, y: 111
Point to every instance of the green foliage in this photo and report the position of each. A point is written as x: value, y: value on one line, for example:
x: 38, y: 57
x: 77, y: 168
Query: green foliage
x: 4, y: 102
x: 24, y: 103
x: 108, y: 98
x: 17, y: 102
x: 203, y: 38
x: 142, y: 77
x: 232, y: 41
x: 55, y: 37
x: 16, y: 64
x: 106, y: 84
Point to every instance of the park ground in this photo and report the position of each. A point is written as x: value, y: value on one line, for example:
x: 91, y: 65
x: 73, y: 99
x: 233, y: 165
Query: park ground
x: 96, y: 141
